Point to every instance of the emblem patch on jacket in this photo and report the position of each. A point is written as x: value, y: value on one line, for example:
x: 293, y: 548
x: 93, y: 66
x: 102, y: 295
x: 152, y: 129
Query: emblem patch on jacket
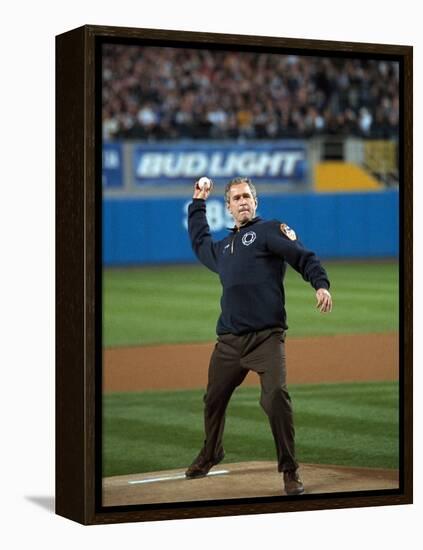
x: 288, y: 232
x: 248, y: 238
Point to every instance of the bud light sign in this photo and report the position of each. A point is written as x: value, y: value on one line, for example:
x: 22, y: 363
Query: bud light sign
x: 278, y: 162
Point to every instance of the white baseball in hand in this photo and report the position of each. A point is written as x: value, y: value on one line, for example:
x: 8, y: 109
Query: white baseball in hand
x: 204, y: 183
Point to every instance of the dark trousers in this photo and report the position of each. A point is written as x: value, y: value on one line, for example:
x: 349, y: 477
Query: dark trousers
x: 264, y: 353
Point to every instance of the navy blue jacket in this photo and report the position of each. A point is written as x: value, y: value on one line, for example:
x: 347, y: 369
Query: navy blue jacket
x: 251, y: 263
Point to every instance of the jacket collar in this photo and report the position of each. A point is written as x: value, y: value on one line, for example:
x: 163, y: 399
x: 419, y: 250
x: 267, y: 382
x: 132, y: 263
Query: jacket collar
x: 251, y: 222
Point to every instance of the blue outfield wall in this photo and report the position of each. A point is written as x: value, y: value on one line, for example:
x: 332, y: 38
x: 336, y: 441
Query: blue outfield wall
x: 343, y: 225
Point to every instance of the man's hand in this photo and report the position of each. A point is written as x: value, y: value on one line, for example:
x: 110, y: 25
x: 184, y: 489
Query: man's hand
x: 202, y: 193
x: 324, y: 300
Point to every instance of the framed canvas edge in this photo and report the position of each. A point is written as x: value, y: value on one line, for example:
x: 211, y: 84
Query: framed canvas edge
x: 77, y: 229
x: 203, y: 38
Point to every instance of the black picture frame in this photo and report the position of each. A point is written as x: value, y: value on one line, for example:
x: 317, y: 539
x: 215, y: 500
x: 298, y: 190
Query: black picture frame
x: 78, y: 288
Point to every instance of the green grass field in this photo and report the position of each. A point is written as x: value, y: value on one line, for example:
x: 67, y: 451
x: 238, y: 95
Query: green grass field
x: 181, y: 304
x: 348, y: 424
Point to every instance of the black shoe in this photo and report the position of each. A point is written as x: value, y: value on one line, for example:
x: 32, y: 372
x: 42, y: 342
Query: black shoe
x: 201, y: 465
x: 293, y: 483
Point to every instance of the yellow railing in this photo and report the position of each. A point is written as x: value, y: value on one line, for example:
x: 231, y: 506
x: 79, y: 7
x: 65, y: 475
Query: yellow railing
x: 380, y: 156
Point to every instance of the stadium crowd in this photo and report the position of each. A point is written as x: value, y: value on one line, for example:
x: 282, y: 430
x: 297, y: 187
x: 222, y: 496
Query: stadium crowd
x: 172, y: 93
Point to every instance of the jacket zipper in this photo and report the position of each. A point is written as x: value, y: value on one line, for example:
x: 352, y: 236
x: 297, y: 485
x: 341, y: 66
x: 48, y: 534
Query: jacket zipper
x: 233, y: 240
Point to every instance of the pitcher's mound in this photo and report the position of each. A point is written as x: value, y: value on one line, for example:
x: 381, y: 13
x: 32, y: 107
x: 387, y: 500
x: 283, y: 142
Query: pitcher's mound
x: 240, y: 480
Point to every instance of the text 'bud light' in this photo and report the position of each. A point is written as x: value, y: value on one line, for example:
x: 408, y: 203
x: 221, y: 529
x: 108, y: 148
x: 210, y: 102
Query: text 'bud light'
x: 178, y: 164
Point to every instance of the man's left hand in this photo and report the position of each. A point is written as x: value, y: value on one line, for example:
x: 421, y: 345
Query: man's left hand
x: 324, y: 300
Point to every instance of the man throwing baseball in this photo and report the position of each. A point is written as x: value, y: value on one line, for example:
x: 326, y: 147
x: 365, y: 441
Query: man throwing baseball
x: 251, y: 263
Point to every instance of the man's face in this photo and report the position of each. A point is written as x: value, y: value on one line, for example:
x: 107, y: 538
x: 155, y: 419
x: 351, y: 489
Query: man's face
x: 241, y: 203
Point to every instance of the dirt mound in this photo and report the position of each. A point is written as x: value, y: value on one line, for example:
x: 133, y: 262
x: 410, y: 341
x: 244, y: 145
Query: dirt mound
x: 240, y: 480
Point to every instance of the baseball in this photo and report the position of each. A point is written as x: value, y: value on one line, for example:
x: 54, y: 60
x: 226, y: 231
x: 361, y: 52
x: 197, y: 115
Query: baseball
x: 204, y: 182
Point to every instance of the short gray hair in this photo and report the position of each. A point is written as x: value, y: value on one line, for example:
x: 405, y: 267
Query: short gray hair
x: 236, y: 181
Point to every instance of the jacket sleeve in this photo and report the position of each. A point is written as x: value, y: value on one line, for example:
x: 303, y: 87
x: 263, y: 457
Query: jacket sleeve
x: 201, y: 241
x: 296, y: 255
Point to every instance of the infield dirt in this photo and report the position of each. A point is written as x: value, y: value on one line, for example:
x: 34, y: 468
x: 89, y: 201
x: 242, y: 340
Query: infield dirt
x: 323, y: 359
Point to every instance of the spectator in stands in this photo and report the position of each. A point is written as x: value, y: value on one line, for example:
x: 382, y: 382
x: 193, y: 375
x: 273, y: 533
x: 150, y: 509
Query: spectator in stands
x: 171, y: 93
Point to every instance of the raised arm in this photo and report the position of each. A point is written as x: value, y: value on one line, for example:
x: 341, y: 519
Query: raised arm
x: 198, y: 228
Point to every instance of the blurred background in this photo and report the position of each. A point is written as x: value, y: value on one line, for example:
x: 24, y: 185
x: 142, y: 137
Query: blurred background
x: 319, y: 138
